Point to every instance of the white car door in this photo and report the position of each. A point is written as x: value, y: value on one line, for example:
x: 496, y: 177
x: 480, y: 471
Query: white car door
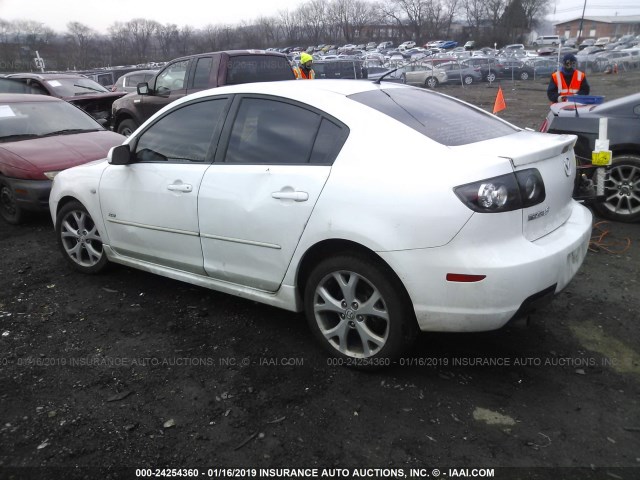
x: 150, y: 206
x: 257, y: 197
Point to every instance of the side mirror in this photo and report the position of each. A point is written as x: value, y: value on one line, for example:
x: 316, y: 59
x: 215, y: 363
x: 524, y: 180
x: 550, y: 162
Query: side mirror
x: 120, y: 155
x: 143, y: 88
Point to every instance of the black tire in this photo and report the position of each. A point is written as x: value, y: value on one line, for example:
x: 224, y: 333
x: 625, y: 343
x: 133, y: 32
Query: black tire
x: 524, y: 75
x: 365, y: 340
x: 468, y: 80
x: 491, y: 77
x: 9, y: 208
x: 127, y: 127
x: 431, y: 82
x: 622, y: 190
x: 79, y: 240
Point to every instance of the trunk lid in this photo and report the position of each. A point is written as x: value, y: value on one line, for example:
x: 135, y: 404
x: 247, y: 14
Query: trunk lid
x: 553, y: 157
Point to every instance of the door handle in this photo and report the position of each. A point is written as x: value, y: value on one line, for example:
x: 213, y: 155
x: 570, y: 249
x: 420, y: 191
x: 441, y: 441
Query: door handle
x: 180, y: 187
x: 291, y: 195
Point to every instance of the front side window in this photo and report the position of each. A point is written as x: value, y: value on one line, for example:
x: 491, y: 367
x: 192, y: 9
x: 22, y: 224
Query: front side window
x: 183, y: 135
x: 203, y: 69
x: 173, y: 77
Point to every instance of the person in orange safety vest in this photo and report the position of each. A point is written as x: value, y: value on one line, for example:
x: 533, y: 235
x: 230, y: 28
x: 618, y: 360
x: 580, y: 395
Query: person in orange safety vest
x: 567, y: 81
x: 304, y: 71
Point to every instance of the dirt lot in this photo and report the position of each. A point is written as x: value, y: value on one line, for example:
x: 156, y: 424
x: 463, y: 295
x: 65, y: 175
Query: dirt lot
x: 128, y: 369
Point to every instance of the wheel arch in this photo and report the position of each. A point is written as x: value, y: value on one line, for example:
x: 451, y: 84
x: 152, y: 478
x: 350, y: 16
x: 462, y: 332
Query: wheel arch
x: 331, y: 247
x: 626, y: 149
x: 123, y: 115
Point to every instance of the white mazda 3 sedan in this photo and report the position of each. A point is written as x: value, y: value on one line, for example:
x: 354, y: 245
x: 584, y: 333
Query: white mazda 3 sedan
x: 291, y: 194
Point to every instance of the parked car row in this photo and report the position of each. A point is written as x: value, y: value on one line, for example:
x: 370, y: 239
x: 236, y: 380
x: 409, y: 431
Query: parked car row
x: 186, y: 195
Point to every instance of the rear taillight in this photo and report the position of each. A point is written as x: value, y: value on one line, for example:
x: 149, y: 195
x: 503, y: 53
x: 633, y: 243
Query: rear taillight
x: 505, y: 193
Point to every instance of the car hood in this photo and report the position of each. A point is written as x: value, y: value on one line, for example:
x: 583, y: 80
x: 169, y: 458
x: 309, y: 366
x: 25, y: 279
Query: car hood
x: 57, y: 153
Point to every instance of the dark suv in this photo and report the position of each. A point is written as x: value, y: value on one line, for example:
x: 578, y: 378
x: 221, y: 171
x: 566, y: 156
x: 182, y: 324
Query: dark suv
x: 186, y: 75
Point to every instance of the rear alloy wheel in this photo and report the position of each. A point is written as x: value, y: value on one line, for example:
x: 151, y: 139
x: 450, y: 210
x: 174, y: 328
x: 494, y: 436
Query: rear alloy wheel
x: 9, y: 208
x: 468, y: 80
x: 358, y: 310
x: 79, y: 239
x: 127, y: 127
x: 524, y: 75
x: 491, y: 77
x: 431, y: 82
x: 622, y: 190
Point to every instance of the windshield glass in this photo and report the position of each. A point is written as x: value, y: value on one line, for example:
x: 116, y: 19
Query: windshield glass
x: 440, y: 118
x: 73, y: 87
x: 36, y: 119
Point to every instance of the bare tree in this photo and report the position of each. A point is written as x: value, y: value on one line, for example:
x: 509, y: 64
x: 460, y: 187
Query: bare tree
x: 185, y: 39
x: 120, y: 43
x: 167, y: 36
x: 534, y: 10
x: 288, y: 23
x: 141, y: 31
x: 476, y: 14
x: 410, y: 15
x: 315, y: 14
x: 80, y: 37
x: 268, y: 28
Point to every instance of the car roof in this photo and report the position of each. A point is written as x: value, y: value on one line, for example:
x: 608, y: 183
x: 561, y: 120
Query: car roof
x: 233, y: 53
x: 26, y: 97
x: 297, y: 89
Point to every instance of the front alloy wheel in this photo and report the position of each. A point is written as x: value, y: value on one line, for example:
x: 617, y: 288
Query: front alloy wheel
x: 468, y: 80
x: 491, y: 77
x: 79, y: 239
x: 431, y: 82
x: 358, y: 310
x: 524, y: 75
x: 622, y: 190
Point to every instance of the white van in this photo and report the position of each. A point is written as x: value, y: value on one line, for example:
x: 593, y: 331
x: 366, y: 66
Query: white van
x: 547, y: 40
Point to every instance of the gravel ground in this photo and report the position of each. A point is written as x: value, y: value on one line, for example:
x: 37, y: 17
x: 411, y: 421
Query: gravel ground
x: 127, y: 369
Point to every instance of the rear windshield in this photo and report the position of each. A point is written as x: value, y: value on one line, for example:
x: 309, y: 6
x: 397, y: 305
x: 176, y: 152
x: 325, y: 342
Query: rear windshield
x: 258, y: 68
x: 442, y: 119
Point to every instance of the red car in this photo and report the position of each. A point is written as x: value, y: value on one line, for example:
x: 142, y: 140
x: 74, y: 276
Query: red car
x: 83, y: 92
x: 40, y: 136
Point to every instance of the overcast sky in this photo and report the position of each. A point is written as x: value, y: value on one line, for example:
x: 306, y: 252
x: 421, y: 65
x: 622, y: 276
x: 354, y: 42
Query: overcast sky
x: 99, y: 15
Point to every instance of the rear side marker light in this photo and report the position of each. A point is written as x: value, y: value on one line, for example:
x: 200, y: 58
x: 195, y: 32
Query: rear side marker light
x: 463, y: 278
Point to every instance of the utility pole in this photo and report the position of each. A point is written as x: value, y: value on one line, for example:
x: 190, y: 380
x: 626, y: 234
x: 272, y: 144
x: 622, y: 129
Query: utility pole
x: 581, y: 23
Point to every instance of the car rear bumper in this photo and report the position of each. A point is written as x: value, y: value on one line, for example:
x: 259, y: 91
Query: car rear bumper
x: 518, y: 274
x: 31, y: 195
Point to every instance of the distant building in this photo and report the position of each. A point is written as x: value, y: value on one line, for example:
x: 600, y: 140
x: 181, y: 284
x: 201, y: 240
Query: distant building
x: 599, y: 26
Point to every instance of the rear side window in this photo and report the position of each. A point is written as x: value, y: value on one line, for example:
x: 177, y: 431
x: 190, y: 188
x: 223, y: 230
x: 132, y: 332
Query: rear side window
x: 203, y: 68
x: 274, y: 132
x: 258, y: 68
x: 442, y: 119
